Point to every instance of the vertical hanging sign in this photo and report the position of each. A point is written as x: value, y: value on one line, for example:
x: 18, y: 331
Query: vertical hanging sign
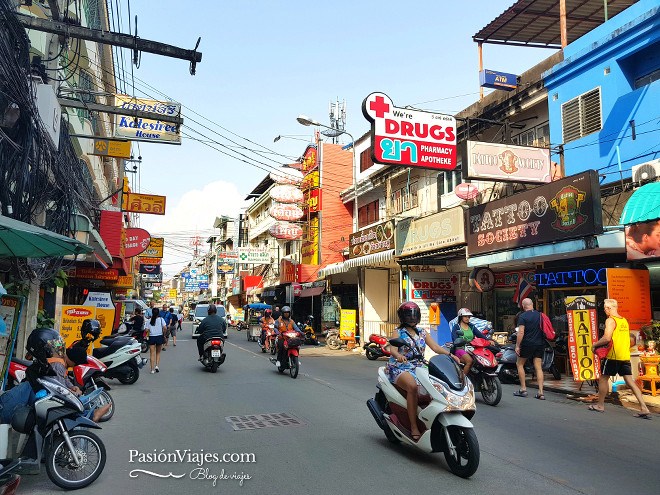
x: 582, y: 333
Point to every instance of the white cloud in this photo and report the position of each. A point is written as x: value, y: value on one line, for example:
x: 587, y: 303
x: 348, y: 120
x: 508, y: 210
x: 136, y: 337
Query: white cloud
x: 192, y: 215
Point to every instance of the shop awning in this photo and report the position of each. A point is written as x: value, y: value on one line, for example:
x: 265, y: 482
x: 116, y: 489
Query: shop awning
x: 312, y: 290
x: 370, y: 259
x: 437, y: 257
x: 85, y: 232
x: 643, y: 205
x: 331, y: 269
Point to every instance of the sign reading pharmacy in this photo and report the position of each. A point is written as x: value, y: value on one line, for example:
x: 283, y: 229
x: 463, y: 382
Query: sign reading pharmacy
x: 412, y: 138
x: 253, y: 256
x: 139, y: 129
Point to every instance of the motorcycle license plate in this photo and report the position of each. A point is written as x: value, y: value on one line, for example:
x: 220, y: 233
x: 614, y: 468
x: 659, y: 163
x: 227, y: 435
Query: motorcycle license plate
x: 499, y: 367
x: 216, y: 353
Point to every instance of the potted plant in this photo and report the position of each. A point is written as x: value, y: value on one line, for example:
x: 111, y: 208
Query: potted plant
x: 651, y: 334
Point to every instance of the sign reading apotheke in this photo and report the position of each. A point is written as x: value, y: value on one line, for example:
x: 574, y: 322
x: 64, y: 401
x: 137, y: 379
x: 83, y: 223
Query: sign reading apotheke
x: 371, y: 240
x: 139, y: 129
x: 565, y: 209
x: 437, y: 231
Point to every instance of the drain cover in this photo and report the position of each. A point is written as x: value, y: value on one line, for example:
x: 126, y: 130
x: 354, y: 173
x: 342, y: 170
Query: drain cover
x: 256, y: 421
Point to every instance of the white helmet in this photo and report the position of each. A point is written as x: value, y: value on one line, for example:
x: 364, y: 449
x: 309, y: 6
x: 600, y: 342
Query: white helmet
x: 464, y: 312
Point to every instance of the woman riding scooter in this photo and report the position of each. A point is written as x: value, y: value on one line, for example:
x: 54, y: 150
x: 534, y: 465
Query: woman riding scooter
x: 399, y: 370
x: 469, y: 332
x: 266, y: 321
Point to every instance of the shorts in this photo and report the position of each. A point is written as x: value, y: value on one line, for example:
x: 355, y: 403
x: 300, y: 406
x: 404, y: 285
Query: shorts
x: 172, y: 331
x: 460, y: 353
x: 532, y: 352
x: 612, y: 367
x: 156, y: 340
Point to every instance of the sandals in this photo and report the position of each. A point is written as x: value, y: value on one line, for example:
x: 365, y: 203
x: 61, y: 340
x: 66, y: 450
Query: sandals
x: 520, y: 393
x: 595, y: 409
x: 539, y: 396
x: 642, y: 415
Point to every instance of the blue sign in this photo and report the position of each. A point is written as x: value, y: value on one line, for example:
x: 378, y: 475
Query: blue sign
x: 550, y: 279
x: 498, y: 80
x: 203, y: 285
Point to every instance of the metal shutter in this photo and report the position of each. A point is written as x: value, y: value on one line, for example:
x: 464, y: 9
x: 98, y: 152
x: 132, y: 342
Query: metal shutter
x: 581, y: 116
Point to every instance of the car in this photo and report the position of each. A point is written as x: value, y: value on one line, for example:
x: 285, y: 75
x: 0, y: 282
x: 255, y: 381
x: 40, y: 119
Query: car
x: 201, y: 312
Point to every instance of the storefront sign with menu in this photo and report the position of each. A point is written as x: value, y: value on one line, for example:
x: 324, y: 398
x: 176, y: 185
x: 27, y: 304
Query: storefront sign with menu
x: 347, y: 321
x: 371, y: 240
x: 105, y: 310
x: 565, y: 209
x: 582, y: 333
x: 71, y: 320
x: 632, y: 291
x: 437, y: 231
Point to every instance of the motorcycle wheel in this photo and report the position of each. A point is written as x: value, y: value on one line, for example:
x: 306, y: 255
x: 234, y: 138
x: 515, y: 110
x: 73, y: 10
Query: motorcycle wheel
x: 555, y: 372
x: 132, y: 377
x: 214, y: 367
x: 59, y: 462
x: 491, y: 390
x: 466, y: 460
x: 333, y: 342
x: 144, y: 346
x: 371, y: 355
x: 272, y: 349
x: 103, y: 399
x: 294, y: 366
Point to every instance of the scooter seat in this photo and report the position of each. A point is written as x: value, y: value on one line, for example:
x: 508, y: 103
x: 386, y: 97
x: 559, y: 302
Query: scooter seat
x: 101, y: 352
x: 24, y: 362
x: 114, y: 339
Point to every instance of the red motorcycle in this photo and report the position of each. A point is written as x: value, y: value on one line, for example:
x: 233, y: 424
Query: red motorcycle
x: 292, y: 343
x: 483, y: 373
x: 268, y: 345
x: 378, y: 346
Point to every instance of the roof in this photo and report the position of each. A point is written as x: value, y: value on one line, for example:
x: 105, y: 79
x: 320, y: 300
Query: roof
x: 643, y: 205
x: 536, y: 22
x: 261, y: 188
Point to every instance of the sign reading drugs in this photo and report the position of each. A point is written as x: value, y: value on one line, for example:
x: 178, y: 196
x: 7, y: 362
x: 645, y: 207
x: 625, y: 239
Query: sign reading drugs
x: 139, y: 129
x: 412, y: 138
x: 565, y: 209
x: 582, y: 333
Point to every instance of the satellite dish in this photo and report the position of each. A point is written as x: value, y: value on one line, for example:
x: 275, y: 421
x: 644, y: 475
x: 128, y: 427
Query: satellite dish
x: 332, y: 132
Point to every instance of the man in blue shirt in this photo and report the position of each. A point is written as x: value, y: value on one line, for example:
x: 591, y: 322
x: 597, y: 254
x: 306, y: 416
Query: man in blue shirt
x: 167, y: 316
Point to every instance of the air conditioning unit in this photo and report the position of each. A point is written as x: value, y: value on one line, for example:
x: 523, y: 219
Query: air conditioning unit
x: 646, y: 172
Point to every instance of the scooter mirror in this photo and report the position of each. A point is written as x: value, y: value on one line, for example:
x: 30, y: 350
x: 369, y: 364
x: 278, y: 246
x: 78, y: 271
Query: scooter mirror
x: 460, y: 342
x: 398, y: 342
x: 460, y: 333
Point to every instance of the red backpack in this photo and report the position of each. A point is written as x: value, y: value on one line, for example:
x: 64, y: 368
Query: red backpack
x: 546, y: 326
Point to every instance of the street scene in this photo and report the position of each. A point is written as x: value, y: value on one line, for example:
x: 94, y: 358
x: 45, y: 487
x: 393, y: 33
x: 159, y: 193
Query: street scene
x: 277, y: 247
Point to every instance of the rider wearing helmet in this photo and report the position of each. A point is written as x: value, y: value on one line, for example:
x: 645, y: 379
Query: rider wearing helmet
x: 400, y: 370
x: 266, y: 320
x: 284, y: 324
x: 470, y: 331
x: 211, y: 326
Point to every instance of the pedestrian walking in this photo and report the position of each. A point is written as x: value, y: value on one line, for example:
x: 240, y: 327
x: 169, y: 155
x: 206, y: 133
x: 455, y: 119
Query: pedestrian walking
x: 179, y: 318
x: 166, y: 315
x: 156, y: 326
x: 617, y: 361
x: 530, y: 345
x: 171, y: 330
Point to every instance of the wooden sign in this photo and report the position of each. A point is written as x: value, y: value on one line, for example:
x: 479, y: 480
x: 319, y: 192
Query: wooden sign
x: 143, y: 203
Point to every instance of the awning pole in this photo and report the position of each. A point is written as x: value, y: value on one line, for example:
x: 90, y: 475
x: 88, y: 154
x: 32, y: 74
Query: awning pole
x: 562, y: 22
x: 480, y: 49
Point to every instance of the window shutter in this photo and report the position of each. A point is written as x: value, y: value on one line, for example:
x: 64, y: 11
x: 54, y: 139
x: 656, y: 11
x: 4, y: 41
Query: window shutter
x: 590, y: 107
x: 581, y: 116
x: 570, y: 116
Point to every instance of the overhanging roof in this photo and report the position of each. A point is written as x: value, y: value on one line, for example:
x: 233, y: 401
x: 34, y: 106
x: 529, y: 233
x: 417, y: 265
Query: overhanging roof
x: 643, y: 205
x: 536, y: 22
x: 261, y: 188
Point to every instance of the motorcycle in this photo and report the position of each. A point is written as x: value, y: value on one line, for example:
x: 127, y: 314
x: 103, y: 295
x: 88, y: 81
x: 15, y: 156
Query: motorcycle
x: 268, y: 345
x: 212, y: 355
x: 308, y: 330
x: 445, y: 407
x: 121, y: 356
x: 507, y: 357
x: 292, y: 343
x: 58, y: 436
x: 376, y: 347
x: 87, y: 378
x: 332, y: 339
x: 483, y: 372
x: 127, y: 329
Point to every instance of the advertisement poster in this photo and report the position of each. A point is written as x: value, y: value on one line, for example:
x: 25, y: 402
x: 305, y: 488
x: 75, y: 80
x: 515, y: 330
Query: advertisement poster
x: 643, y: 240
x: 631, y: 289
x: 71, y: 321
x: 347, y: 324
x: 105, y: 311
x: 439, y: 289
x: 10, y: 313
x: 582, y: 333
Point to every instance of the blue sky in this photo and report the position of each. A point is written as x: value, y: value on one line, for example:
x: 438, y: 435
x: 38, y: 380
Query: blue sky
x: 266, y: 62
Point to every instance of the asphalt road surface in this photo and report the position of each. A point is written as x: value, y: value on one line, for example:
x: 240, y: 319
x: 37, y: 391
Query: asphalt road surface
x: 324, y: 440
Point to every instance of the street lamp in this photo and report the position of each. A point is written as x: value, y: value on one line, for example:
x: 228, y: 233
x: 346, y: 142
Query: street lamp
x: 290, y: 136
x: 307, y: 121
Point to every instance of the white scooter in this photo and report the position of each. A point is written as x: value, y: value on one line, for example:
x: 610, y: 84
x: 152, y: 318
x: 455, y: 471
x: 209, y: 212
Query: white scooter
x: 121, y: 355
x: 445, y: 407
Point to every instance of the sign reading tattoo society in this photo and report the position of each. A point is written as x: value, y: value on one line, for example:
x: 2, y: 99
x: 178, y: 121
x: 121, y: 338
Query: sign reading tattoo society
x: 565, y: 209
x: 411, y: 138
x: 582, y: 333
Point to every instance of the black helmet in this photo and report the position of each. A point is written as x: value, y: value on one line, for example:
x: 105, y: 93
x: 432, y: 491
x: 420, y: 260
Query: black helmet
x: 44, y: 343
x: 90, y: 330
x: 409, y: 314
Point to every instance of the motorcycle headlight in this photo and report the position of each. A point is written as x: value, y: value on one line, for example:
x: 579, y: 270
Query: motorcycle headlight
x: 483, y: 361
x: 456, y: 401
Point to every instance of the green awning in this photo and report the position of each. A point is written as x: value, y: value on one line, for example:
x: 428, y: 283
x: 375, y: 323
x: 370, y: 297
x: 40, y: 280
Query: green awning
x: 643, y: 205
x: 22, y: 240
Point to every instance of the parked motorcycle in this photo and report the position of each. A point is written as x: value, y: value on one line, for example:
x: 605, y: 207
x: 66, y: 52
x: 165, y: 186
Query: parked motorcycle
x: 332, y: 339
x: 483, y: 372
x: 121, y: 356
x: 507, y: 357
x: 128, y: 329
x: 376, y: 347
x: 57, y: 435
x: 446, y: 405
x: 292, y: 343
x: 268, y: 345
x: 212, y: 354
x: 308, y: 330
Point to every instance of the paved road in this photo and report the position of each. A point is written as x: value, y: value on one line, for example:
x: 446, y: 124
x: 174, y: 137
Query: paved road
x: 527, y: 446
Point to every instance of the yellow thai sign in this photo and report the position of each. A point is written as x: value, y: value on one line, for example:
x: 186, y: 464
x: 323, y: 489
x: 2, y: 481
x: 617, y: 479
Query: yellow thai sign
x: 124, y: 282
x: 143, y: 203
x: 310, y: 245
x: 582, y: 333
x: 172, y: 294
x: 155, y: 248
x: 347, y: 324
x: 112, y: 147
x: 139, y: 129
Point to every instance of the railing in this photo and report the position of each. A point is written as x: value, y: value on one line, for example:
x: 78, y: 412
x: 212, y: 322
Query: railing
x: 380, y: 328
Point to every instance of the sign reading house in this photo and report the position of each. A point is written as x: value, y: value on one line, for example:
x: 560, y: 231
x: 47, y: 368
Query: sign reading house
x: 139, y: 129
x: 565, y: 209
x: 412, y: 138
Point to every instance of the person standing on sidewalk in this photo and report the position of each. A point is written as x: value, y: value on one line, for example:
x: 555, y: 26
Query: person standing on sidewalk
x: 529, y: 345
x: 617, y: 361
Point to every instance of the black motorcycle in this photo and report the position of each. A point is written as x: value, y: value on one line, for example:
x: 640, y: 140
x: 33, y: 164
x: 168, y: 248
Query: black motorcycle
x: 507, y: 357
x: 128, y: 329
x: 212, y: 354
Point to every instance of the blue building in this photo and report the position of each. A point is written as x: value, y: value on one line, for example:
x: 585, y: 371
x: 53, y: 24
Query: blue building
x: 604, y: 98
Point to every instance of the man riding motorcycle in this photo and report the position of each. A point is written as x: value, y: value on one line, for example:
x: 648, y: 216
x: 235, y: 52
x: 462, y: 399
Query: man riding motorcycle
x: 266, y: 320
x: 285, y: 324
x: 211, y: 326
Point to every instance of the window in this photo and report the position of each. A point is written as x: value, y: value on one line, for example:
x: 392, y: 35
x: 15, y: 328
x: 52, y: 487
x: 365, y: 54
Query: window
x: 404, y: 199
x: 581, y: 116
x: 447, y: 181
x: 368, y: 214
x: 365, y: 160
x: 647, y: 79
x: 537, y: 136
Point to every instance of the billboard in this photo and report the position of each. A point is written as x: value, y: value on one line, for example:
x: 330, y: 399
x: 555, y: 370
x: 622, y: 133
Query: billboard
x: 643, y: 240
x: 371, y: 240
x: 506, y: 162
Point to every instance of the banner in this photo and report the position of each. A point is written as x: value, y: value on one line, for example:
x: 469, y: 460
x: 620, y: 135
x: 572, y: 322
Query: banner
x: 139, y: 129
x: 310, y: 245
x: 582, y: 333
x: 347, y: 324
